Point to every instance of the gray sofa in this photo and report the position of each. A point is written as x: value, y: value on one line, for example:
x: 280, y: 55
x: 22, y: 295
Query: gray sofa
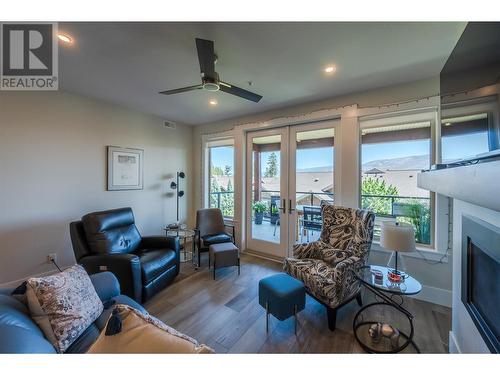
x: 20, y: 334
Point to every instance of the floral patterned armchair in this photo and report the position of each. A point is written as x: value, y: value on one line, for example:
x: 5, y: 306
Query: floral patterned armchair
x: 325, y: 265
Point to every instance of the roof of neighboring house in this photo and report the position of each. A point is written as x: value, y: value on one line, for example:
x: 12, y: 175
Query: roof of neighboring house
x: 306, y: 182
x: 223, y: 181
x: 374, y: 171
x: 318, y: 182
x: 404, y: 180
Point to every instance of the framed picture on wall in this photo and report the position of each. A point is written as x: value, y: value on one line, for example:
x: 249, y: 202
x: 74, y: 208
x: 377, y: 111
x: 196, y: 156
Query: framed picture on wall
x: 125, y: 168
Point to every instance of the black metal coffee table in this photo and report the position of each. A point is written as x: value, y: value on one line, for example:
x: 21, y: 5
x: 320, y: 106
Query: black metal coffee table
x: 387, y: 294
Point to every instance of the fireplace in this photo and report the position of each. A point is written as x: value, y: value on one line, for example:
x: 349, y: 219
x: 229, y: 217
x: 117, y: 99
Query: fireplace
x: 481, y: 277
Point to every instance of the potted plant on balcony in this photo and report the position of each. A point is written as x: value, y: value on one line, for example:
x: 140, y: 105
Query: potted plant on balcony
x: 259, y: 208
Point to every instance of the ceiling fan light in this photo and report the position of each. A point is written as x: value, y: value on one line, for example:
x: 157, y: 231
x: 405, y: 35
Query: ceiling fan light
x: 65, y: 38
x: 330, y: 69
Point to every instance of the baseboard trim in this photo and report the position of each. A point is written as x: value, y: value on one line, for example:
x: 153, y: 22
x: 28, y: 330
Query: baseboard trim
x: 258, y: 254
x: 431, y: 294
x: 453, y: 346
x: 438, y: 296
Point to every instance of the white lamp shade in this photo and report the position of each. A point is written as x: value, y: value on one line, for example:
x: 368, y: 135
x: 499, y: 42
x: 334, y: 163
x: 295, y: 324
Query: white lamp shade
x: 397, y: 237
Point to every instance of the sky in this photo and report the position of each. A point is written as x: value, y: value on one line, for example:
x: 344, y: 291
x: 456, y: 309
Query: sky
x: 452, y: 148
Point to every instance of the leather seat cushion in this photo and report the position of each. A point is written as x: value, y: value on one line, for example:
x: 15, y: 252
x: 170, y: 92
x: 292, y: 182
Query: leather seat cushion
x: 155, y: 262
x: 211, y: 239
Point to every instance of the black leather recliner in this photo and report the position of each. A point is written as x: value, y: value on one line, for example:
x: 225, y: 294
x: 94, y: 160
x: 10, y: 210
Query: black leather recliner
x: 110, y: 241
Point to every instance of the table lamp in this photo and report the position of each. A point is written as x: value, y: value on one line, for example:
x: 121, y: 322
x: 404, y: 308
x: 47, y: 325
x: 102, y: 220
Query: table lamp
x: 397, y: 237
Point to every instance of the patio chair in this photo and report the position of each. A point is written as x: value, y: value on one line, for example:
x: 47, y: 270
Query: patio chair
x: 275, y: 217
x: 311, y: 220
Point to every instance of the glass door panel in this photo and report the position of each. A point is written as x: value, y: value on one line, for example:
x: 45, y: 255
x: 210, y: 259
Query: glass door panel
x: 312, y: 178
x: 267, y: 187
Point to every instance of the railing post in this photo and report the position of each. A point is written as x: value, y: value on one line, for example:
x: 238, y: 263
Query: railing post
x: 218, y: 199
x: 312, y: 199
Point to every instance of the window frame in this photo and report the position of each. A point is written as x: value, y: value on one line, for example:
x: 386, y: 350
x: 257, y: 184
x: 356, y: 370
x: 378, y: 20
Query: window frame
x: 468, y: 107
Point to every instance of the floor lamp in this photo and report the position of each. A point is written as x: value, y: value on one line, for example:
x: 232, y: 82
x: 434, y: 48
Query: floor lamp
x: 180, y: 193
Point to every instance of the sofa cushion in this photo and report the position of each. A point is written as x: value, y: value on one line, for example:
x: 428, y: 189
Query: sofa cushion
x: 111, y: 232
x: 18, y: 332
x: 85, y: 340
x: 14, y: 313
x: 142, y: 333
x: 155, y: 262
x: 212, y: 239
x: 63, y: 305
x: 15, y: 339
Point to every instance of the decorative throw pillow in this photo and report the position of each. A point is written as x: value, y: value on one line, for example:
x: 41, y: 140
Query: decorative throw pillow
x: 63, y: 305
x: 130, y: 331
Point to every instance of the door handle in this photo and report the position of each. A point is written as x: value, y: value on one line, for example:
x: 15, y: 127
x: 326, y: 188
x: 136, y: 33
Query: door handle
x: 283, y: 207
x: 290, y: 209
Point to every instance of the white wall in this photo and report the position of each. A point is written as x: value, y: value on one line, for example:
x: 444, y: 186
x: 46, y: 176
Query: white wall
x: 53, y: 171
x: 436, y: 278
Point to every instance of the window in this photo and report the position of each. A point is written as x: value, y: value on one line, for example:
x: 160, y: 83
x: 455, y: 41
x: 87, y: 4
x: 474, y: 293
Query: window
x: 464, y: 136
x: 391, y: 157
x: 221, y: 177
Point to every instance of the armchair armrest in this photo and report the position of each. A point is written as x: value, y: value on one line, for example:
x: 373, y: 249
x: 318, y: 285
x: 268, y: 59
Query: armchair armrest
x: 106, y: 285
x: 126, y: 268
x: 160, y: 242
x: 346, y: 271
x: 231, y: 226
x: 197, y: 238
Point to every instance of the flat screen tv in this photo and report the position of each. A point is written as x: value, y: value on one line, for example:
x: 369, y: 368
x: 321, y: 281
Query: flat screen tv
x: 470, y: 95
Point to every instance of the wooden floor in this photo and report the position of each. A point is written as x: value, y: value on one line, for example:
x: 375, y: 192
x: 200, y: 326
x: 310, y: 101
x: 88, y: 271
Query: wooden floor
x: 225, y: 314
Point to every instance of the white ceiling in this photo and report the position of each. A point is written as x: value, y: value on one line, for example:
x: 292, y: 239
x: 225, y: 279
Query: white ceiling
x: 128, y: 63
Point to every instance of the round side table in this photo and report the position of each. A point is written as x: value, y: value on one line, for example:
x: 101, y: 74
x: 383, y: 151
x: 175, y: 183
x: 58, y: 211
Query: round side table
x: 184, y: 235
x: 387, y: 293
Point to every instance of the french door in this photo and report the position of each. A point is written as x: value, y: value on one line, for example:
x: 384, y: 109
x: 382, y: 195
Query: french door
x: 290, y: 172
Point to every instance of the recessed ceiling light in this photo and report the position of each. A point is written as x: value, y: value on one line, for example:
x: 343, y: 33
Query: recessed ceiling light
x: 213, y: 102
x: 65, y: 38
x: 330, y: 69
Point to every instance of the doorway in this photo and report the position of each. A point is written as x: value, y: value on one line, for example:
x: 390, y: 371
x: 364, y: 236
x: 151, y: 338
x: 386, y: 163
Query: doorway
x: 290, y: 174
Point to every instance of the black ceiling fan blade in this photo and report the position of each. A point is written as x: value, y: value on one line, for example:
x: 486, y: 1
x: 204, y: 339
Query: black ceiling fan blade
x: 230, y: 89
x: 206, y: 57
x: 182, y: 89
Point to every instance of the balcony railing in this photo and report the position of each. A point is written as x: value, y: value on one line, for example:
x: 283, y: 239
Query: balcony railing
x: 413, y: 210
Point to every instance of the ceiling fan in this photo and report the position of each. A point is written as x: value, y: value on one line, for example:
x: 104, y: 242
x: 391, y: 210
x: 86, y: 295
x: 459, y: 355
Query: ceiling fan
x: 210, y: 78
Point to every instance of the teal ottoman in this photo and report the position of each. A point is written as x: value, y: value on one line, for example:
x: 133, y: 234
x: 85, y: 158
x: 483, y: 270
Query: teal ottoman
x: 282, y: 296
